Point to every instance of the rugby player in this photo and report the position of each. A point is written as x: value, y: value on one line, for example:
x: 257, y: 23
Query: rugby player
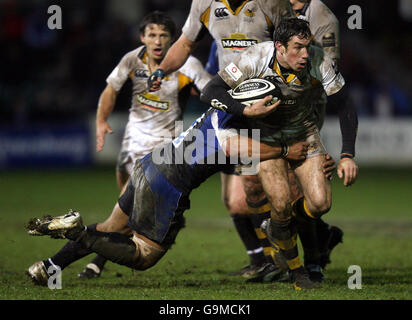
x: 152, y: 116
x: 303, y: 73
x: 151, y: 206
x: 234, y: 25
x: 254, y: 22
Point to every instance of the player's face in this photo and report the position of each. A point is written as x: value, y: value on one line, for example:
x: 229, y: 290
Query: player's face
x: 296, y: 55
x: 157, y: 40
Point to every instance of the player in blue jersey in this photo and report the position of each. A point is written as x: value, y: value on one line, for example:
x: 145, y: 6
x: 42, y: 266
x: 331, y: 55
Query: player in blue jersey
x: 152, y: 205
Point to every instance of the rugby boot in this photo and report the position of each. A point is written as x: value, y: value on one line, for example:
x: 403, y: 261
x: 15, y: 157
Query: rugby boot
x: 38, y: 273
x: 315, y: 272
x: 56, y: 227
x: 335, y: 237
x: 269, y: 272
x: 301, y: 281
x: 91, y: 271
x: 247, y: 271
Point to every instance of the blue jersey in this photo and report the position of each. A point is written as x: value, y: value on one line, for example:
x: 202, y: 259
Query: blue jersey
x: 162, y: 180
x: 196, y: 154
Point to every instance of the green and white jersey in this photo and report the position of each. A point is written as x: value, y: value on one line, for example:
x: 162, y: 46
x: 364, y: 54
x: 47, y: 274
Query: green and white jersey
x: 251, y: 23
x: 152, y: 114
x: 324, y: 26
x: 294, y: 116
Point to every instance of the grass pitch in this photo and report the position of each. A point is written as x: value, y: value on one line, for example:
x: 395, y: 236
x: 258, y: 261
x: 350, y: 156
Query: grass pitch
x: 375, y: 215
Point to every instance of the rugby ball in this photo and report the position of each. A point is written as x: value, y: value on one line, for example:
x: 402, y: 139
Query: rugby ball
x: 252, y: 90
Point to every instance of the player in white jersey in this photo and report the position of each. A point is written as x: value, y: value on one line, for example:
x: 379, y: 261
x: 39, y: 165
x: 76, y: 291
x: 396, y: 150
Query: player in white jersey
x: 152, y: 116
x: 302, y: 72
x: 317, y: 239
x: 323, y: 24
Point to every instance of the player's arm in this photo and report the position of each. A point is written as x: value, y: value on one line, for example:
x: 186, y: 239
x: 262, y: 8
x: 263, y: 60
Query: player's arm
x: 107, y: 100
x: 216, y: 94
x: 244, y: 148
x: 348, y: 120
x: 175, y: 58
x: 105, y: 107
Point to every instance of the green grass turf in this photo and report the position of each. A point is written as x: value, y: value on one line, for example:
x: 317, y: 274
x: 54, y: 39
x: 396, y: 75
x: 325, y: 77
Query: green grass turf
x: 375, y: 214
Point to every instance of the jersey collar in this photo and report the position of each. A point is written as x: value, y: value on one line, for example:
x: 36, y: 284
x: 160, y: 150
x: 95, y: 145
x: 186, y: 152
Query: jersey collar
x: 239, y: 8
x: 302, y: 11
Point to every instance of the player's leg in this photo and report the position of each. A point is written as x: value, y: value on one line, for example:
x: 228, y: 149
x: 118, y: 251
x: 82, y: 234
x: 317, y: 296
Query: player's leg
x: 259, y: 210
x: 327, y: 236
x: 315, y: 202
x: 281, y: 228
x: 95, y: 267
x: 72, y: 250
x: 307, y: 235
x: 233, y: 196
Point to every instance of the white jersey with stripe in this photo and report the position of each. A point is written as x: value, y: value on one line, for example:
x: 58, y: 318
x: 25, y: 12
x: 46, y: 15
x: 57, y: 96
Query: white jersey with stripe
x: 252, y: 22
x: 300, y: 90
x: 324, y: 26
x: 152, y: 114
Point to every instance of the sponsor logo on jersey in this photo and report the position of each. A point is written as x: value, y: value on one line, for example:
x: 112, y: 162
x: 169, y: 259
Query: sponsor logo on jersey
x: 329, y: 40
x: 218, y: 105
x: 221, y: 13
x: 289, y: 102
x: 238, y: 41
x: 141, y: 73
x: 233, y: 71
x: 152, y: 102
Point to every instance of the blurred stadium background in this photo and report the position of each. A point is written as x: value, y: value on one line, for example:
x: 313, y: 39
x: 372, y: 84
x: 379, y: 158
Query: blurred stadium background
x: 50, y: 81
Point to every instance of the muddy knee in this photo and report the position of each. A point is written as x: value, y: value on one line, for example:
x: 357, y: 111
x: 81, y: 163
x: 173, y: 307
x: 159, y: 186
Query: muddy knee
x: 147, y: 255
x: 318, y: 206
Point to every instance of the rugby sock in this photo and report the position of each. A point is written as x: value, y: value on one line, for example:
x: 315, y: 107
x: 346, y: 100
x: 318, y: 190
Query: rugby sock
x: 260, y: 211
x: 244, y: 227
x: 71, y: 252
x: 306, y: 226
x: 114, y: 246
x: 284, y: 234
x: 323, y: 232
x: 99, y: 261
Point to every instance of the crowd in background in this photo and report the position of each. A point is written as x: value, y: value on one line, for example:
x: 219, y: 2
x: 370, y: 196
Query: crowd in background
x: 57, y: 75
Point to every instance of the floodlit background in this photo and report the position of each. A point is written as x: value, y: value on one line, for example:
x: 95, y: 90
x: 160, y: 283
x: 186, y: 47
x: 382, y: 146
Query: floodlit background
x: 50, y: 81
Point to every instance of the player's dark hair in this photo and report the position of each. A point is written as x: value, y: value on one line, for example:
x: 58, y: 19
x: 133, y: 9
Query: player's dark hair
x: 291, y: 27
x: 158, y: 17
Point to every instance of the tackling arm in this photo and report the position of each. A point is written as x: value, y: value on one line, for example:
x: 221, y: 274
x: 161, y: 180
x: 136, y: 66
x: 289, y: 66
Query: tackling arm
x: 244, y: 148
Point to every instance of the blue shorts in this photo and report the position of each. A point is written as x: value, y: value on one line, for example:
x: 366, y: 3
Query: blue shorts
x: 154, y: 206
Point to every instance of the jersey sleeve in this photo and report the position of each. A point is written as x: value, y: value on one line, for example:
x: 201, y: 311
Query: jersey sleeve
x: 327, y: 36
x: 277, y: 10
x: 120, y: 74
x: 325, y: 70
x: 251, y: 63
x: 197, y: 20
x: 195, y: 73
